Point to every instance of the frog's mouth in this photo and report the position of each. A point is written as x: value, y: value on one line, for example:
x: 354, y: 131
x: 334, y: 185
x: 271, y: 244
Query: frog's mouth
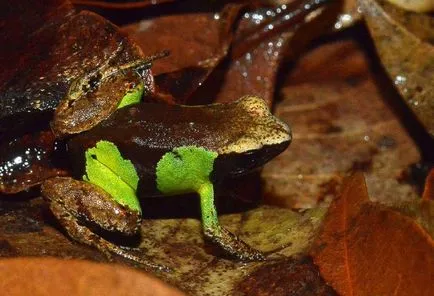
x: 237, y: 164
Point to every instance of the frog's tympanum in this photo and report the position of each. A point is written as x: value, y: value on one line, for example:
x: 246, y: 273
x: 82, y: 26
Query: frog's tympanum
x: 122, y: 155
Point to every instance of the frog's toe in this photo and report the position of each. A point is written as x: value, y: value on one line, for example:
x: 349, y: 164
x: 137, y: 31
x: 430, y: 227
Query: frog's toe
x: 233, y: 246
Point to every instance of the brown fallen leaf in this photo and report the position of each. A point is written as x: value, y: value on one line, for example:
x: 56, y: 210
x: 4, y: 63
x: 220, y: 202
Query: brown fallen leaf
x: 428, y: 192
x: 294, y: 277
x: 260, y: 41
x: 404, y: 44
x: 196, y: 47
x: 367, y: 249
x: 117, y: 4
x: 202, y: 40
x: 59, y: 48
x: 421, y: 211
x: 350, y: 14
x: 50, y: 276
x: 254, y: 65
x: 415, y: 5
x: 26, y: 229
x: 341, y: 124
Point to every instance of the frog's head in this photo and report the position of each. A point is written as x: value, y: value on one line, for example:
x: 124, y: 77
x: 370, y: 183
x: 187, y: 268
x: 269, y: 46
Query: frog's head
x: 256, y: 137
x: 94, y: 96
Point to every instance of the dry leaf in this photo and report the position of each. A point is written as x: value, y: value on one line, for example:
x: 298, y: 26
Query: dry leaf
x: 428, y: 192
x: 50, y: 276
x: 367, y: 249
x: 415, y: 5
x: 197, y: 268
x: 421, y: 211
x: 404, y: 44
x: 340, y: 125
x: 294, y: 277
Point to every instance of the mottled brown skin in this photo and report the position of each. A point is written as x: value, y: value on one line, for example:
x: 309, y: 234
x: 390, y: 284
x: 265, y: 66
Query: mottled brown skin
x: 90, y: 203
x: 80, y: 207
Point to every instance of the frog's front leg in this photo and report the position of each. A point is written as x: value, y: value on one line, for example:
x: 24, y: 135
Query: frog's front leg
x: 80, y: 207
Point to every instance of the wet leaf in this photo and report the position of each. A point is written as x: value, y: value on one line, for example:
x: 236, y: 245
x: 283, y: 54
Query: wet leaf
x: 360, y: 249
x: 196, y: 47
x: 261, y: 39
x: 44, y: 49
x: 350, y: 14
x: 47, y: 59
x: 340, y: 124
x: 258, y: 50
x: 404, y: 44
x: 50, y: 276
x: 118, y: 4
x: 202, y: 39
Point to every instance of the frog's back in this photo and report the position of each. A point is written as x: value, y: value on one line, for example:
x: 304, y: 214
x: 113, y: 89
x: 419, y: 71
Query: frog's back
x: 145, y: 132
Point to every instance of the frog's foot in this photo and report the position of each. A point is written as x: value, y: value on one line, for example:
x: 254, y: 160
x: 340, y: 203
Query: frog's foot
x: 81, y: 207
x: 232, y: 245
x: 84, y: 235
x: 226, y: 240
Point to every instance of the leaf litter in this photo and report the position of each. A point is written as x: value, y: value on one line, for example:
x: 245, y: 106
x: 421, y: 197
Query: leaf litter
x: 333, y: 138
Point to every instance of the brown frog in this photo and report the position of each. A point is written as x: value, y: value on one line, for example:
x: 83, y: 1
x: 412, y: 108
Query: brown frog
x: 168, y: 149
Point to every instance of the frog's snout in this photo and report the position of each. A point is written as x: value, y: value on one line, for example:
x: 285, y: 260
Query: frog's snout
x: 257, y: 129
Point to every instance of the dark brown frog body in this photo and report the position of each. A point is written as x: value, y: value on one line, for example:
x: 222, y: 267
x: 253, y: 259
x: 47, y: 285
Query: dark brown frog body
x: 244, y: 134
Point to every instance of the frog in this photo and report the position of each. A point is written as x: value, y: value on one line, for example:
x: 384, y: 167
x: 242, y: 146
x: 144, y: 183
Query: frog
x: 212, y: 142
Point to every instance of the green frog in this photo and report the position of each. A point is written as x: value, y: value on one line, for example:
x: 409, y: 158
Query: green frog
x: 147, y: 150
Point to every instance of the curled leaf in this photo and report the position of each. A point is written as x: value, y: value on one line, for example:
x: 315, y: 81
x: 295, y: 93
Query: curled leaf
x: 367, y: 249
x: 404, y: 44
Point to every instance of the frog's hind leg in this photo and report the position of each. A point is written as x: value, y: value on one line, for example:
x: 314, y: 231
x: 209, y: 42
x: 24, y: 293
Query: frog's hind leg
x: 213, y: 231
x: 73, y: 201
